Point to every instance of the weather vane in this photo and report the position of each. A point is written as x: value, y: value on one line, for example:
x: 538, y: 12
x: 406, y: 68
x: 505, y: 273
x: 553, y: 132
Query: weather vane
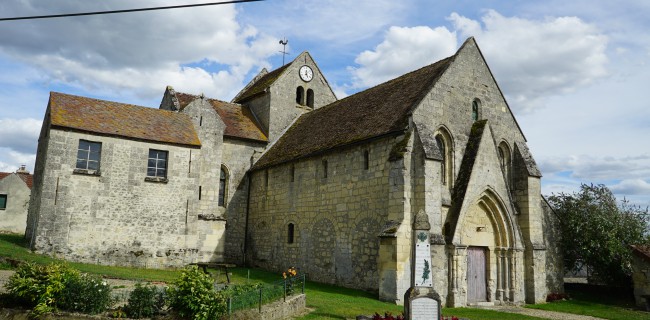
x: 284, y: 42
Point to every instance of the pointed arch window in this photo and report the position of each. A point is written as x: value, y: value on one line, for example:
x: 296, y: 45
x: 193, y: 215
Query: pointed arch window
x: 505, y: 162
x: 300, y: 95
x: 443, y: 140
x: 310, y: 98
x: 476, y: 109
x: 223, y: 186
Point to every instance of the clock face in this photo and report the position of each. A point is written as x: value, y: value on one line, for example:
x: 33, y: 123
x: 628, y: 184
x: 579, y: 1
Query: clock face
x: 306, y: 73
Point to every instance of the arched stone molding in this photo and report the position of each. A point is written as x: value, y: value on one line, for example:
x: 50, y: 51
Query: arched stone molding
x: 505, y: 158
x: 443, y: 135
x: 487, y: 223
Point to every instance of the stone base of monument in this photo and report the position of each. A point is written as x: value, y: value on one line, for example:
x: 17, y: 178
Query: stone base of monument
x: 421, y: 303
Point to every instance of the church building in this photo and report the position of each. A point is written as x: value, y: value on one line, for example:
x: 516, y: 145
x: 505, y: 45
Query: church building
x: 287, y: 175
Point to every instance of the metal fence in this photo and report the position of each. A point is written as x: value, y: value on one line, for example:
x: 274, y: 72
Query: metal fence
x: 275, y: 291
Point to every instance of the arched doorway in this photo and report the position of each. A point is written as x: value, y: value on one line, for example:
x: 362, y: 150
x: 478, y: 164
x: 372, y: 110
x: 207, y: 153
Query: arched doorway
x: 485, y: 244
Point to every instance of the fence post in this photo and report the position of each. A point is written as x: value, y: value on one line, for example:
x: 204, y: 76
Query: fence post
x: 285, y: 290
x: 260, y: 309
x: 229, y: 305
x: 304, y: 279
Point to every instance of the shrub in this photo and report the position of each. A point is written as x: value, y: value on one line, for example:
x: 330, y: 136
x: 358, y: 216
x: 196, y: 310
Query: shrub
x: 145, y: 301
x: 39, y: 286
x: 192, y: 295
x: 85, y: 293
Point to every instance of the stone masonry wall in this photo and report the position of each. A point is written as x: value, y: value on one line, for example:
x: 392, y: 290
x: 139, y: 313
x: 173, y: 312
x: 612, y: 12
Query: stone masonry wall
x: 116, y: 218
x: 14, y: 217
x: 337, y: 219
x: 238, y: 157
x: 283, y: 107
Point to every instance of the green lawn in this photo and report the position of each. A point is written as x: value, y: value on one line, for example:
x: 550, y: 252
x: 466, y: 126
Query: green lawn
x: 331, y: 302
x: 595, y: 302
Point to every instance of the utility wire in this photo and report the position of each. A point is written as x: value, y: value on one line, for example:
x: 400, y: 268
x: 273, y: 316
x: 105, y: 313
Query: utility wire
x: 125, y: 10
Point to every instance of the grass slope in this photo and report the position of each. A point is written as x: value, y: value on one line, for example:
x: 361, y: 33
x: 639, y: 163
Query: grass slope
x: 595, y: 301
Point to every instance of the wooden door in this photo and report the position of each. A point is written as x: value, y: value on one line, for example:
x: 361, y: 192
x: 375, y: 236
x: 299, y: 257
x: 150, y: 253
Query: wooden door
x: 476, y: 279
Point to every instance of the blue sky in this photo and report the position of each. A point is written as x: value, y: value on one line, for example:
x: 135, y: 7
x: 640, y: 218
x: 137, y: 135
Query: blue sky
x: 573, y: 72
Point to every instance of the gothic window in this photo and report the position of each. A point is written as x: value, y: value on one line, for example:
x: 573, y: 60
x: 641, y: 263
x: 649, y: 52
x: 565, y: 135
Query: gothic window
x: 3, y: 201
x: 366, y: 160
x: 505, y: 159
x: 88, y: 155
x: 441, y: 147
x: 310, y: 98
x: 300, y: 95
x: 290, y: 233
x: 476, y: 108
x: 157, y: 164
x: 223, y: 186
x: 324, y: 168
x: 443, y: 140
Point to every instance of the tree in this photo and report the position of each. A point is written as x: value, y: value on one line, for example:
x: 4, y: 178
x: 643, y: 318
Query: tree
x: 597, y: 232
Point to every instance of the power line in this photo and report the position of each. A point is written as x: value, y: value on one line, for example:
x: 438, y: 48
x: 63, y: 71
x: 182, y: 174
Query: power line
x: 125, y: 10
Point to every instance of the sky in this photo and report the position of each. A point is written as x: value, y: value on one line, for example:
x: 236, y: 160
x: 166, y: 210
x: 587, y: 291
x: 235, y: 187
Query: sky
x: 573, y: 72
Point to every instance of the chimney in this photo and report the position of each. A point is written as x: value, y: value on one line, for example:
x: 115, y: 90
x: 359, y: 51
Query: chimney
x: 22, y: 169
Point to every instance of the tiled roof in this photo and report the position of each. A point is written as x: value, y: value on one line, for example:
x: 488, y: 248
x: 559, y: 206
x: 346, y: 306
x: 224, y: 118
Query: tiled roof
x: 374, y: 112
x: 184, y: 99
x: 124, y: 120
x: 27, y: 178
x: 260, y: 85
x: 239, y: 120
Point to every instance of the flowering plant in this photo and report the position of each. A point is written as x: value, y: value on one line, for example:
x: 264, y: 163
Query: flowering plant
x: 387, y: 316
x: 289, y: 277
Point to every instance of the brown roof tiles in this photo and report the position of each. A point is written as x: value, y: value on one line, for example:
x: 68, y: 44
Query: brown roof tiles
x: 260, y: 85
x: 377, y: 111
x: 239, y: 120
x: 118, y: 119
x: 26, y: 177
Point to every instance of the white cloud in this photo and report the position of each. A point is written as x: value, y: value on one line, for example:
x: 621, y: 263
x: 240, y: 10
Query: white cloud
x: 588, y: 168
x: 140, y: 52
x: 533, y: 59
x: 11, y: 160
x: 403, y: 50
x: 632, y: 187
x: 20, y: 135
x: 329, y: 23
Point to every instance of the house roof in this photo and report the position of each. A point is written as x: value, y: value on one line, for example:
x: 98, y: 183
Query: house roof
x: 260, y: 85
x: 642, y: 251
x: 239, y: 120
x: 118, y: 119
x: 26, y: 177
x: 372, y: 113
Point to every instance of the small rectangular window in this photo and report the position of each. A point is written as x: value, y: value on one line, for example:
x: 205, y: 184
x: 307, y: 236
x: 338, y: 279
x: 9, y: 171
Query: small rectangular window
x: 324, y: 168
x: 366, y: 160
x: 290, y: 233
x: 3, y: 201
x: 89, y: 155
x: 157, y: 164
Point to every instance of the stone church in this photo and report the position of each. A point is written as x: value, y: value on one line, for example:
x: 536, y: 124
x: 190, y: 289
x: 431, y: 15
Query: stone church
x: 288, y: 175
